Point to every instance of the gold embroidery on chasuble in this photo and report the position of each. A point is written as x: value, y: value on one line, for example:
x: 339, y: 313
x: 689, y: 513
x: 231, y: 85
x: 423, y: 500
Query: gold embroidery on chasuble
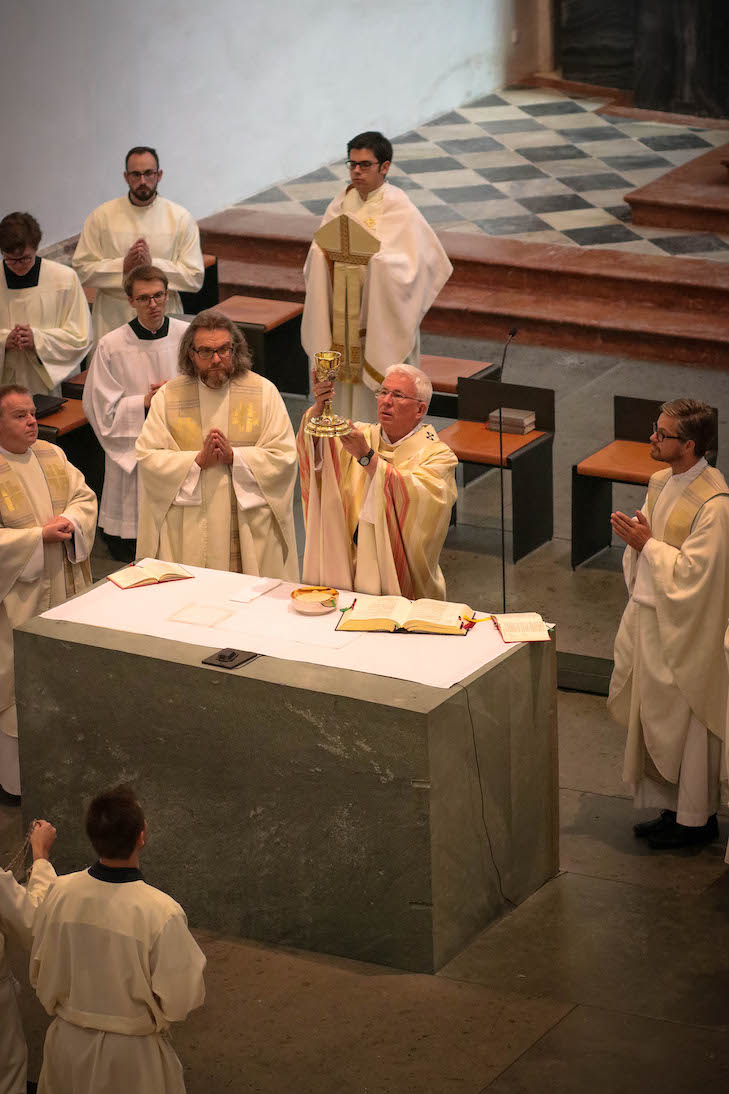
x: 685, y: 509
x: 348, y: 246
x: 16, y: 510
x: 244, y: 427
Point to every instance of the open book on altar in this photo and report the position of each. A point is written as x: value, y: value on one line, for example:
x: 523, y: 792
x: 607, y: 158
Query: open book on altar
x: 151, y: 572
x: 395, y: 613
x: 522, y: 627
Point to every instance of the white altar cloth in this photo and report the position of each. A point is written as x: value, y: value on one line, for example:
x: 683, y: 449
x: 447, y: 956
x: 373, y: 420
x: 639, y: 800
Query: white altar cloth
x: 270, y: 625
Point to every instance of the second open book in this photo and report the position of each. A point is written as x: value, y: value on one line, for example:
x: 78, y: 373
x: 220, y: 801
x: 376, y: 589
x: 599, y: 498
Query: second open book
x: 395, y: 613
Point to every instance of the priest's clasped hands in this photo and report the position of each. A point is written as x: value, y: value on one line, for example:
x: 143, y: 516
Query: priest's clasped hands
x: 216, y: 449
x: 57, y: 530
x: 138, y: 254
x: 635, y: 531
x: 20, y: 337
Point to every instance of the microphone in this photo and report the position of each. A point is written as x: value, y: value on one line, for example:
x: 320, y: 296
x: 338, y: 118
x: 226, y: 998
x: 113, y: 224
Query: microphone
x: 512, y: 334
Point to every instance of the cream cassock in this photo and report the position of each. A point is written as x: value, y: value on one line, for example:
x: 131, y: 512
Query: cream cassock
x: 107, y: 235
x: 126, y: 362
x: 114, y: 962
x: 50, y: 300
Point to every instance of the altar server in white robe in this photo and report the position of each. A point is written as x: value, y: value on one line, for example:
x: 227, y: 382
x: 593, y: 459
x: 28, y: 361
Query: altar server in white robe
x: 669, y: 686
x: 217, y: 462
x: 130, y: 364
x: 115, y: 964
x: 140, y: 229
x: 47, y: 525
x: 371, y: 311
x: 45, y: 327
x: 377, y: 501
x: 18, y: 904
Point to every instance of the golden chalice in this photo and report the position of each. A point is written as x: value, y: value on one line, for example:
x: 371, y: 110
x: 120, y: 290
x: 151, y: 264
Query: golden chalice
x: 328, y: 424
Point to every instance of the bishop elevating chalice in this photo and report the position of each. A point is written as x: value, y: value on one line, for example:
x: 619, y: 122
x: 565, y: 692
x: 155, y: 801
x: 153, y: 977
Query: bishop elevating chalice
x: 328, y: 424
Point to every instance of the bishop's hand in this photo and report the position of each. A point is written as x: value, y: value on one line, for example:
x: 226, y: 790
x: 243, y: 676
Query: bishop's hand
x: 355, y: 443
x: 323, y: 391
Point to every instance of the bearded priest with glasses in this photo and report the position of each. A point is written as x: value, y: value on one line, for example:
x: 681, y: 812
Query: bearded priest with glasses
x: 142, y: 228
x: 217, y: 462
x: 378, y: 500
x: 130, y: 364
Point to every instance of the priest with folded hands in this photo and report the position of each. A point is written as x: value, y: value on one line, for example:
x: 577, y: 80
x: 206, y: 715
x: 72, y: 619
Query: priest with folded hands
x: 47, y: 525
x: 217, y: 462
x: 378, y: 500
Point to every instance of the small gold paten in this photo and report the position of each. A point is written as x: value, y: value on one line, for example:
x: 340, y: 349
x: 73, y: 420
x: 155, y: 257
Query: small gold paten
x: 315, y: 599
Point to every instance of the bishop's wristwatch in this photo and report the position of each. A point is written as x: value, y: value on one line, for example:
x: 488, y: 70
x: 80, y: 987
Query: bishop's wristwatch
x: 364, y: 460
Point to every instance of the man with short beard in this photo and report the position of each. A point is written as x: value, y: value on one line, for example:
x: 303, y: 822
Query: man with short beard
x: 217, y: 462
x: 669, y: 685
x: 140, y: 229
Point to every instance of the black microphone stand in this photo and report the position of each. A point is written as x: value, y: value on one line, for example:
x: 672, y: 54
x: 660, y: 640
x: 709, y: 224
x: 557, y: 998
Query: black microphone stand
x: 512, y: 334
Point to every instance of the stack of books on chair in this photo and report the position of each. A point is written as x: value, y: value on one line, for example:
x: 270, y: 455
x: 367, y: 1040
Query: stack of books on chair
x: 512, y: 421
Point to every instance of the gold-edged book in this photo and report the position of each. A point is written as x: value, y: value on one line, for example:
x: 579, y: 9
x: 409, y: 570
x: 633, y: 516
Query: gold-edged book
x: 395, y: 613
x: 153, y: 572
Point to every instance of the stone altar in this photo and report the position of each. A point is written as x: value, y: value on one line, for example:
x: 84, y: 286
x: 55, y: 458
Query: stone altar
x: 292, y: 803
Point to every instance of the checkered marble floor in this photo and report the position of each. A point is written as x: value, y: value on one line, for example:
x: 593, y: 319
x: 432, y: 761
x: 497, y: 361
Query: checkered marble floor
x: 530, y: 164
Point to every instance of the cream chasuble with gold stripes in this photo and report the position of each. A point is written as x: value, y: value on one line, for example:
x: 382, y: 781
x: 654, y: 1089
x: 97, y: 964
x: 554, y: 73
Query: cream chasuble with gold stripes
x: 219, y: 524
x: 413, y: 490
x: 682, y: 575
x: 34, y: 487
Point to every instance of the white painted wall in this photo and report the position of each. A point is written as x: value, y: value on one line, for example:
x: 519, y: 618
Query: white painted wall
x: 234, y: 95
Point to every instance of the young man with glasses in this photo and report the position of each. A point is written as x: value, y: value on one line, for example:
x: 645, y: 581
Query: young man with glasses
x: 140, y: 229
x: 45, y: 330
x: 371, y: 310
x: 669, y: 686
x: 377, y: 502
x: 129, y: 366
x: 217, y: 462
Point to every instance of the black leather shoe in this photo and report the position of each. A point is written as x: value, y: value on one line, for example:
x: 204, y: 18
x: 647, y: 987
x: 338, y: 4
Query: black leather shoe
x: 684, y: 835
x: 647, y: 828
x: 6, y: 798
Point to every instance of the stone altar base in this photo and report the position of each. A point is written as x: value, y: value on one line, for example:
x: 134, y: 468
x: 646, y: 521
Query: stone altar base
x: 290, y: 803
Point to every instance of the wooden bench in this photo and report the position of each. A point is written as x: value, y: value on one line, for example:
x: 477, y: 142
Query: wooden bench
x: 69, y: 428
x: 192, y: 302
x: 527, y: 456
x: 444, y: 374
x: 627, y: 459
x: 273, y: 332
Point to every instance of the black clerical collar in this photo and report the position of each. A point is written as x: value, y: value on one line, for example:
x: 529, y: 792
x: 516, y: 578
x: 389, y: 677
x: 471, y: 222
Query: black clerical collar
x: 149, y: 335
x: 23, y: 281
x: 115, y: 874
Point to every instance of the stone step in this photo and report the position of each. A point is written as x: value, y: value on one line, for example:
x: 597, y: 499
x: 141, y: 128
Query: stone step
x: 598, y: 300
x: 694, y: 196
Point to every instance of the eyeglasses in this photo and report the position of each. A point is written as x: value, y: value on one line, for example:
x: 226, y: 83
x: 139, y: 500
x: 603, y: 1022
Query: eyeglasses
x: 661, y: 436
x: 18, y: 260
x: 145, y: 298
x: 137, y: 176
x: 206, y: 353
x: 396, y: 396
x: 364, y: 164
